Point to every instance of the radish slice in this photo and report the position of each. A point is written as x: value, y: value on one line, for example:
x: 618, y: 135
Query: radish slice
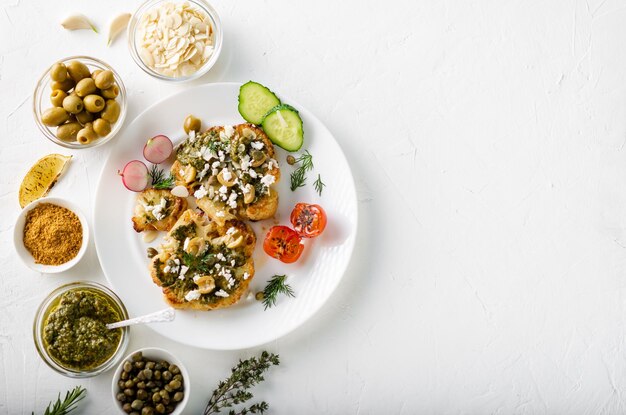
x: 158, y: 149
x: 135, y: 176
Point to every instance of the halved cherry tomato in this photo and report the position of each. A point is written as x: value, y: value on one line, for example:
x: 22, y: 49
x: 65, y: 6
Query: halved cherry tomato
x: 283, y: 243
x: 308, y: 220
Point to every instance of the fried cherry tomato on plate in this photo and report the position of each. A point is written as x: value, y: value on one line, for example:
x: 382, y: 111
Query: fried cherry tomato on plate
x: 283, y: 243
x: 308, y: 220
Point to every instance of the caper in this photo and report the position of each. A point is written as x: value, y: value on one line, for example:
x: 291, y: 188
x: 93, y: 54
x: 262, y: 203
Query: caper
x: 150, y: 365
x: 178, y: 396
x: 160, y: 408
x: 84, y: 87
x: 95, y: 73
x: 158, y: 366
x: 95, y: 103
x: 141, y: 384
x: 57, y: 96
x: 129, y: 392
x: 127, y: 366
x: 151, y: 252
x: 164, y: 394
x: 140, y: 364
x: 142, y: 394
x: 157, y: 374
x: 86, y: 136
x: 137, y: 404
x: 104, y: 79
x: 111, y: 92
x: 291, y: 160
x: 192, y: 124
x: 147, y: 373
x: 167, y: 375
x: 78, y: 70
x: 120, y: 397
x: 127, y: 408
x: 68, y: 132
x: 150, y: 384
x: 84, y: 117
x: 121, y: 384
x: 168, y: 389
x: 174, y: 369
x: 156, y: 398
x: 148, y: 410
x: 63, y: 86
x: 58, y: 72
x: 175, y: 384
x: 112, y: 111
x: 178, y: 377
x: 259, y: 296
x: 54, y: 116
x: 134, y: 413
x: 73, y: 104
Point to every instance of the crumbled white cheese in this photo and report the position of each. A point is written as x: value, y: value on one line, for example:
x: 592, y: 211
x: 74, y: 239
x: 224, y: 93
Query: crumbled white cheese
x: 232, y: 200
x: 232, y: 263
x: 183, y: 270
x: 200, y: 193
x: 196, y: 277
x: 192, y: 295
x: 192, y: 136
x: 226, y: 174
x: 220, y: 256
x: 257, y: 145
x: 267, y: 180
x: 246, y: 275
x: 186, y: 243
x: 231, y: 230
x: 221, y: 293
x: 166, y: 269
x: 220, y: 214
x: 215, y: 164
x: 245, y: 162
x: 223, y: 190
x: 229, y: 131
x: 253, y: 173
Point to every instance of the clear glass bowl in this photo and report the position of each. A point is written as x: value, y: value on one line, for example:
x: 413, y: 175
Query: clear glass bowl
x: 41, y: 102
x: 42, y: 313
x: 217, y: 33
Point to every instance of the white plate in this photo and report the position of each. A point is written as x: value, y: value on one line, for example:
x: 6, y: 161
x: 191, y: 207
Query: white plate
x: 313, y: 277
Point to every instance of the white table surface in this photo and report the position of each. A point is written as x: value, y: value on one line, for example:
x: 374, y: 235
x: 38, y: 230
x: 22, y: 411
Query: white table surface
x: 487, y: 140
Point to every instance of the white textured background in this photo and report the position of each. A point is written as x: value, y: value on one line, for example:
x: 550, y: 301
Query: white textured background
x: 487, y: 139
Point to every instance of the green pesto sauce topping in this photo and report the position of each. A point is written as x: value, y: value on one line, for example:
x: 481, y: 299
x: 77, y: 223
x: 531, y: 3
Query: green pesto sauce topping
x: 75, y: 333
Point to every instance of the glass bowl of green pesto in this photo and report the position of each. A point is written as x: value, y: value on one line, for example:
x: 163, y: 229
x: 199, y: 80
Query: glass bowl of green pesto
x: 70, y: 329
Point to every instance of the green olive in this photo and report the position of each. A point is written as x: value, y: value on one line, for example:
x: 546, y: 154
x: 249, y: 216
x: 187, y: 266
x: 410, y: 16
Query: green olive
x: 102, y: 127
x: 73, y: 104
x: 68, y: 131
x: 94, y: 103
x: 86, y: 136
x: 58, y: 72
x: 63, y: 86
x: 112, y: 111
x: 192, y: 124
x: 111, y: 93
x: 54, y: 116
x: 84, y: 117
x: 57, y: 96
x: 95, y: 73
x: 78, y: 70
x: 84, y: 87
x: 105, y: 79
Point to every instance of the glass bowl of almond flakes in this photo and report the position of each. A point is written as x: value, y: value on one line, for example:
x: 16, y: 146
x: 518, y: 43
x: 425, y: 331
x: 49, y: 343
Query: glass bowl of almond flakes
x: 175, y: 40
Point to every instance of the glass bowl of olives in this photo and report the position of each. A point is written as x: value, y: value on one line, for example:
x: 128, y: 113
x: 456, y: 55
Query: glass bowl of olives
x: 80, y: 102
x: 151, y: 381
x: 70, y: 329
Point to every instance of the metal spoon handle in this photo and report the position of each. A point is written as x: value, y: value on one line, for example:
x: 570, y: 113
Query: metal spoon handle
x: 158, y: 317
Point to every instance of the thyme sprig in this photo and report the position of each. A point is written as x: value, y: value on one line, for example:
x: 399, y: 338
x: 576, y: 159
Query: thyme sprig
x: 159, y: 179
x: 319, y: 185
x: 235, y: 389
x: 68, y: 404
x: 298, y: 177
x: 274, y: 287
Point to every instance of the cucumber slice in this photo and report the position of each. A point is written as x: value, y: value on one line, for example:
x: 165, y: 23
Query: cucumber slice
x: 283, y: 126
x: 255, y: 101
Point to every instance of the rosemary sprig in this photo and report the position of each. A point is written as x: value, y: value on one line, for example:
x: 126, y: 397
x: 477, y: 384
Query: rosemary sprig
x: 274, y: 287
x: 158, y: 178
x: 68, y: 404
x: 298, y: 177
x: 319, y: 185
x: 234, y: 390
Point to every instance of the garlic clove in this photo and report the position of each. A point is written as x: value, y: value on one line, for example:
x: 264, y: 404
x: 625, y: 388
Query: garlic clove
x: 78, y: 22
x: 180, y: 191
x: 117, y: 26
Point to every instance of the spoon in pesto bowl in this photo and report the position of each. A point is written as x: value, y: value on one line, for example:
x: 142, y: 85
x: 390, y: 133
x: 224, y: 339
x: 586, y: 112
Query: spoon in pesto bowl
x: 162, y: 316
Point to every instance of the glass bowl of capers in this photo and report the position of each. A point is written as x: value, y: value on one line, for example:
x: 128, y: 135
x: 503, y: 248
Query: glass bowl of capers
x: 79, y: 102
x: 151, y: 381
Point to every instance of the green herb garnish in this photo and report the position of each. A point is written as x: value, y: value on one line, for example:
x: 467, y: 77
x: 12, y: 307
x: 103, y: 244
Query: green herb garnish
x: 274, y: 287
x: 159, y: 180
x: 234, y: 390
x: 68, y: 404
x: 319, y: 185
x: 202, y: 263
x: 298, y: 177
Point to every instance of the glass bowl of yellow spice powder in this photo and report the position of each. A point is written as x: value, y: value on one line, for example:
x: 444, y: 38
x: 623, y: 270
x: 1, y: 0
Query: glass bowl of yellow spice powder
x: 51, y: 235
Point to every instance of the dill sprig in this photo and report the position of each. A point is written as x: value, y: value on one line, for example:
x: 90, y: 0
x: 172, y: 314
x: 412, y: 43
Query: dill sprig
x: 158, y: 178
x: 319, y: 185
x: 68, y: 404
x: 234, y: 390
x: 275, y: 287
x: 298, y: 177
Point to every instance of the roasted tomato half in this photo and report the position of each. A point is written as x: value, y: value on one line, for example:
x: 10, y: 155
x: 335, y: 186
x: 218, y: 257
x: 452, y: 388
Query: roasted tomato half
x: 283, y: 243
x: 308, y: 220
